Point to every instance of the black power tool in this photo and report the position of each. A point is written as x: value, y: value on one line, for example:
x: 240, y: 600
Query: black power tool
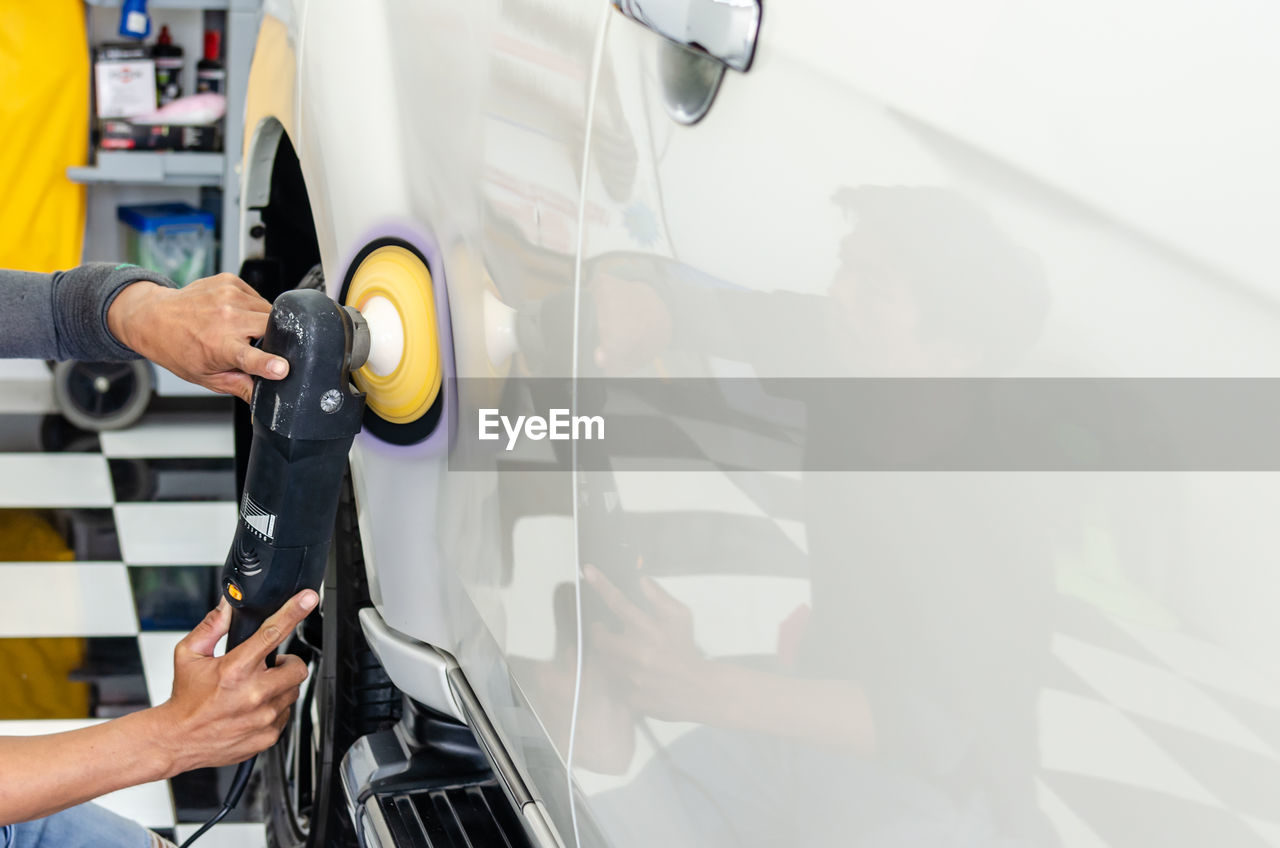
x: 303, y: 427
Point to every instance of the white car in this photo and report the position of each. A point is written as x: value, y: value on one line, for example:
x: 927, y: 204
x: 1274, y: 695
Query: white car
x: 852, y: 563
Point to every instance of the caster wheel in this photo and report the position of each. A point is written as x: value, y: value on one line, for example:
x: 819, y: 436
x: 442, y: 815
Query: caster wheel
x: 102, y: 395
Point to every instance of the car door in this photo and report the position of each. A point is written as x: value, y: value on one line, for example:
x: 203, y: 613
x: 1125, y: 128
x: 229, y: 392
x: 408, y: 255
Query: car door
x: 509, y: 143
x: 787, y: 641
x: 514, y: 555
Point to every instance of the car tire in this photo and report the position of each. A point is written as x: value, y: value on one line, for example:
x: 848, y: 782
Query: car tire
x: 347, y: 696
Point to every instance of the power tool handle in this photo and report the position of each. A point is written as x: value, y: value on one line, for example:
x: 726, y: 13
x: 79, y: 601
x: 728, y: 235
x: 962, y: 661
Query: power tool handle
x: 243, y: 626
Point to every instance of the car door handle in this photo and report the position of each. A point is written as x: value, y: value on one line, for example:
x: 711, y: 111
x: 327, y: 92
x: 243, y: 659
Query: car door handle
x: 725, y: 30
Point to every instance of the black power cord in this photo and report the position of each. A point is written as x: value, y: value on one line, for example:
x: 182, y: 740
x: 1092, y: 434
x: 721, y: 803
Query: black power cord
x: 233, y: 797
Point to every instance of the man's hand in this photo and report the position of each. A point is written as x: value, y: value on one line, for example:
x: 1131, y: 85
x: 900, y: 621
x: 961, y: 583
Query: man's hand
x: 201, y: 332
x: 658, y: 667
x: 654, y: 658
x: 633, y: 324
x: 226, y: 709
x: 223, y: 710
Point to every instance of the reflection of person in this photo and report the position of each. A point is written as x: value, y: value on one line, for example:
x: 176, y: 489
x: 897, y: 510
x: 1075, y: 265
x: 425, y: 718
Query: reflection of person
x: 223, y: 709
x: 101, y: 312
x: 905, y: 703
x: 926, y: 284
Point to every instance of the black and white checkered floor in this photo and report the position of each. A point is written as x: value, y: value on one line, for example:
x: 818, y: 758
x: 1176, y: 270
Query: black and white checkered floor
x: 109, y: 553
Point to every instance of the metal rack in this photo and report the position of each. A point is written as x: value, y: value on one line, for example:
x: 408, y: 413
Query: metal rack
x: 201, y: 5
x: 147, y: 167
x: 124, y: 176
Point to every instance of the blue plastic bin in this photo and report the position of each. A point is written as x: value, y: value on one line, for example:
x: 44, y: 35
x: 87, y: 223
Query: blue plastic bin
x: 173, y: 239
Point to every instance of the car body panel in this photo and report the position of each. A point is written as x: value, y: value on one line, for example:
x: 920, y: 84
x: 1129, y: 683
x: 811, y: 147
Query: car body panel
x: 923, y: 658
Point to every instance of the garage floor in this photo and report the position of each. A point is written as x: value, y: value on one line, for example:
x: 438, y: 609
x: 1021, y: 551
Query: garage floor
x: 109, y: 553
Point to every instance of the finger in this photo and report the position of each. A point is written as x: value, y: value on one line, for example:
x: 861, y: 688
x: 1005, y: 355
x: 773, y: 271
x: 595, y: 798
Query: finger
x: 250, y: 324
x: 237, y: 283
x: 253, y: 652
x: 204, y: 638
x: 253, y: 301
x: 661, y: 599
x: 259, y: 363
x: 278, y: 706
x: 229, y: 383
x: 281, y: 703
x: 278, y: 726
x: 614, y: 599
x: 289, y: 661
x: 289, y: 671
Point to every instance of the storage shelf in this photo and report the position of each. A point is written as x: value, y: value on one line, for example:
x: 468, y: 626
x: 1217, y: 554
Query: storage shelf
x: 152, y: 168
x: 117, y: 176
x: 168, y: 4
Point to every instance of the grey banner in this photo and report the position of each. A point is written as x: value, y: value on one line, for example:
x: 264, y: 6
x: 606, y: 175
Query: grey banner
x: 866, y: 424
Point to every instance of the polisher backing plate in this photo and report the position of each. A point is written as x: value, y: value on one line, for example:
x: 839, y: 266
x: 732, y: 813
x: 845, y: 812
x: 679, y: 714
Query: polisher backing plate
x: 395, y: 273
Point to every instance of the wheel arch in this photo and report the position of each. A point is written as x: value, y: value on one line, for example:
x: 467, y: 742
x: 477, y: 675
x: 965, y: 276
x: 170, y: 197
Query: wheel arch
x: 326, y: 143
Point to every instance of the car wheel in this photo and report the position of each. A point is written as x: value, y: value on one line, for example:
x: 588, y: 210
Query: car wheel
x: 348, y: 695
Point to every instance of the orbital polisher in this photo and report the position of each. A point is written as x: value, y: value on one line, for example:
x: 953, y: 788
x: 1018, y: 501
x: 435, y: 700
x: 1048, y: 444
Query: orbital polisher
x: 303, y: 426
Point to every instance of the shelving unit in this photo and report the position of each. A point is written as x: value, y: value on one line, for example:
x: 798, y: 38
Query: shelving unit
x: 144, y: 167
x: 199, y: 5
x: 117, y: 177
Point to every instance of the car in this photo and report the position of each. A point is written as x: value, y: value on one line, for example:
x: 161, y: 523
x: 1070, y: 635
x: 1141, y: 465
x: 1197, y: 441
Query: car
x: 895, y: 318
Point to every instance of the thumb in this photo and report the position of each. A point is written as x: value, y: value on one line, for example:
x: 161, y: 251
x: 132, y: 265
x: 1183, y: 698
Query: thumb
x: 259, y: 363
x: 204, y: 638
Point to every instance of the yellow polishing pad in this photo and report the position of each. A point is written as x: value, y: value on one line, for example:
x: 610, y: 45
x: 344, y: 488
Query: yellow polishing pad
x: 402, y: 394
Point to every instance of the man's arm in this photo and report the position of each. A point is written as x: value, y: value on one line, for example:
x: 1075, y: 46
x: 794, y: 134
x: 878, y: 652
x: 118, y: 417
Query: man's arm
x: 222, y: 711
x: 64, y: 315
x: 103, y: 313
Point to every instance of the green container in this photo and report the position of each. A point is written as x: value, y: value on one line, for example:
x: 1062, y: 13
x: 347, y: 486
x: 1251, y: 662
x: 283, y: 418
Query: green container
x: 173, y: 239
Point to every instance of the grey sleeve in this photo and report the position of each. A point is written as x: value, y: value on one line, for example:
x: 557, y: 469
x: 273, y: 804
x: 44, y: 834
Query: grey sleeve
x: 64, y: 315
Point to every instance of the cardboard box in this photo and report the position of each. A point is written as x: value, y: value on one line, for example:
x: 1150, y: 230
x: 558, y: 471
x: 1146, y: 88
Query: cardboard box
x: 119, y: 134
x: 124, y: 80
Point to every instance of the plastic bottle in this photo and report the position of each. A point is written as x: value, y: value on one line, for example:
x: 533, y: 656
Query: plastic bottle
x: 134, y: 20
x: 211, y: 76
x: 168, y: 59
